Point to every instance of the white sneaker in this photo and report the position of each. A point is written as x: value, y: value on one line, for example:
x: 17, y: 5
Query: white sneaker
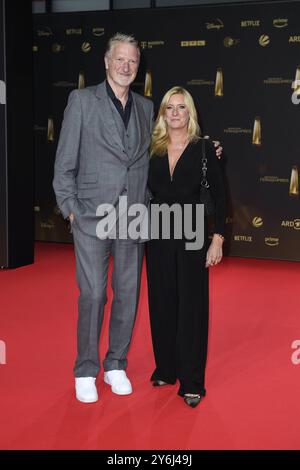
x: 86, y: 390
x: 120, y: 384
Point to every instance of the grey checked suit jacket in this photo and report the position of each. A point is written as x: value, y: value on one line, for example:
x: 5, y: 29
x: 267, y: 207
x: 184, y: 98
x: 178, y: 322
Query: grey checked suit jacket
x: 91, y: 165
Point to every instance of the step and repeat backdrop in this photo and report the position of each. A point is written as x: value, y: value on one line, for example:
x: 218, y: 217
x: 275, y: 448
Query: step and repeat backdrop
x: 242, y: 66
x: 3, y: 234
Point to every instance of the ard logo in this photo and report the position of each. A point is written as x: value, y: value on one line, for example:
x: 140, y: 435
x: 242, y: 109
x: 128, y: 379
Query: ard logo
x: 295, y: 224
x: 294, y: 39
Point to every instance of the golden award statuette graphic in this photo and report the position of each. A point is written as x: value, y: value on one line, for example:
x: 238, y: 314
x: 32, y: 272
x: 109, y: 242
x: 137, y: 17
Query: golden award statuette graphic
x: 294, y: 183
x: 256, y: 138
x: 81, y: 81
x: 296, y: 83
x: 50, y: 132
x: 219, y: 85
x: 148, y: 84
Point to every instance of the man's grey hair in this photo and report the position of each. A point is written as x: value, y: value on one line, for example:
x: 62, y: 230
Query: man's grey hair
x: 119, y: 38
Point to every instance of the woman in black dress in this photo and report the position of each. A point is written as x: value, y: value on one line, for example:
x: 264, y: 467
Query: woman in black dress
x: 178, y: 278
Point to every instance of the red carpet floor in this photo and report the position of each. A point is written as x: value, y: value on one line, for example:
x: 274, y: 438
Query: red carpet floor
x: 253, y: 387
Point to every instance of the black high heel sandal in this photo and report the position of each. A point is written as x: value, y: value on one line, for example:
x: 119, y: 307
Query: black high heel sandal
x: 192, y: 399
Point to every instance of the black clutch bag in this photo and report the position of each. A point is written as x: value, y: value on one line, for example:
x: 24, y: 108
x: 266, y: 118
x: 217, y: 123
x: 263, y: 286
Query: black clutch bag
x: 206, y: 197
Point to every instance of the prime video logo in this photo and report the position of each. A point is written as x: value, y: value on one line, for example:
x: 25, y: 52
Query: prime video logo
x: 2, y: 92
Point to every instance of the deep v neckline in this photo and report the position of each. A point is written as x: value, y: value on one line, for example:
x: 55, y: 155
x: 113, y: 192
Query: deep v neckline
x: 171, y: 175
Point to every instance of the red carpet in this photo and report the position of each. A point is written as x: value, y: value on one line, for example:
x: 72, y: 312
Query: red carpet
x: 253, y: 387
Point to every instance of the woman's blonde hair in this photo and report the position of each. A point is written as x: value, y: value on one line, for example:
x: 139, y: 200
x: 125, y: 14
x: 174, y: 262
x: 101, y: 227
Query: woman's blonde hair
x: 160, y: 136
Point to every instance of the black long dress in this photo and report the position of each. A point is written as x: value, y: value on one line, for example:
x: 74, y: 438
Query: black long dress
x: 177, y: 278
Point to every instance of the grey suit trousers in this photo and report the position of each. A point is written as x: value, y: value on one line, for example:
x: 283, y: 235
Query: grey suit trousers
x: 92, y: 262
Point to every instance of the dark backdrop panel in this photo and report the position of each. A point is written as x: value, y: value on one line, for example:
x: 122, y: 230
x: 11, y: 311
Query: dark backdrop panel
x: 3, y: 225
x: 16, y: 145
x: 239, y: 63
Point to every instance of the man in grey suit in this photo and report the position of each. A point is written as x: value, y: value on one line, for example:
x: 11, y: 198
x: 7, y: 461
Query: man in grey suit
x: 103, y: 154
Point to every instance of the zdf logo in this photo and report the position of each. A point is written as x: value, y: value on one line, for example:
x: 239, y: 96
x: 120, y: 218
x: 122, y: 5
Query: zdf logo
x: 2, y: 92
